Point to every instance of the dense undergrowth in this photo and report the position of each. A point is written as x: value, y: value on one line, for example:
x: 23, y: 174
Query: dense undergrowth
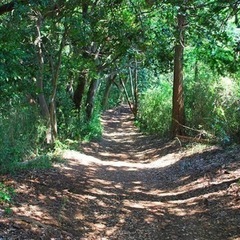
x: 211, y: 106
x: 23, y: 137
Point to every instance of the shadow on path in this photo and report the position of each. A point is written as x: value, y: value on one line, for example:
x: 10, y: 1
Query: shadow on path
x: 122, y: 141
x: 131, y: 187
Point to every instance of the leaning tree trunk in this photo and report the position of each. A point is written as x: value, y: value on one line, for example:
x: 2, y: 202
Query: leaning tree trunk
x: 126, y: 94
x: 134, y: 88
x: 178, y: 118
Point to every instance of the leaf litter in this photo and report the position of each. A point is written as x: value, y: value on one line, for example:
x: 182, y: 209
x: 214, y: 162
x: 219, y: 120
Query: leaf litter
x: 129, y: 186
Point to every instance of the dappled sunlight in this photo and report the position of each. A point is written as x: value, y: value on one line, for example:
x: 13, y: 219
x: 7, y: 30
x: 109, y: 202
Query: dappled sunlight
x: 97, y: 191
x: 118, y: 135
x: 137, y: 198
x: 79, y: 158
x: 164, y: 161
x: 135, y: 189
x: 30, y: 213
x: 109, y: 199
x: 89, y: 160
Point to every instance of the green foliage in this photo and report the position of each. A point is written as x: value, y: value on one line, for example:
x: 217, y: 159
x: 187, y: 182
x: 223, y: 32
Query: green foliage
x: 6, y: 194
x: 155, y: 109
x: 212, y: 103
x: 92, y: 129
x: 68, y: 118
x: 73, y: 125
x: 40, y: 162
x: 21, y: 136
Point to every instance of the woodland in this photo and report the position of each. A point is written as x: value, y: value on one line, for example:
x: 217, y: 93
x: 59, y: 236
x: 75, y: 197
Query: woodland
x: 170, y: 66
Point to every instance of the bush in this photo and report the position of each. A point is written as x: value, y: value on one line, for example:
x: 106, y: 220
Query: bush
x: 155, y: 109
x: 5, y: 193
x: 21, y: 134
x: 92, y: 129
x: 72, y: 124
x: 212, y: 104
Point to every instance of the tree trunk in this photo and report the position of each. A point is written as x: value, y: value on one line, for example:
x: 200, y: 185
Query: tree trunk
x: 178, y: 118
x: 82, y: 78
x: 42, y: 101
x: 126, y: 94
x: 134, y: 88
x: 49, y: 113
x: 55, y: 76
x: 90, y: 98
x: 40, y: 76
x: 79, y: 91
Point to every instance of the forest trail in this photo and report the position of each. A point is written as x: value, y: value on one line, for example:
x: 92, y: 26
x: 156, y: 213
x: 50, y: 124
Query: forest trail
x: 129, y: 186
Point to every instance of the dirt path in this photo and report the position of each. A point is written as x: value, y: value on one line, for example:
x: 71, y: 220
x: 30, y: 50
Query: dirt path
x: 129, y: 186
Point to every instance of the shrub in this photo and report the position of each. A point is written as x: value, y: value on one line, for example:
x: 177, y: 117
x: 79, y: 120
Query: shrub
x: 21, y: 136
x: 212, y: 104
x: 155, y: 109
x: 6, y: 194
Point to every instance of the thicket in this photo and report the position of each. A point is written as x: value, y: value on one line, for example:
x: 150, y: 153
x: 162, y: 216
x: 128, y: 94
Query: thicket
x: 155, y: 109
x: 212, y: 109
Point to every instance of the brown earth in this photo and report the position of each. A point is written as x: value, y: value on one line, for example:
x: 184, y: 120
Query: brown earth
x: 129, y: 186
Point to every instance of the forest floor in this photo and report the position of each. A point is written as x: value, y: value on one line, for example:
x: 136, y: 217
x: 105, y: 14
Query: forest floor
x: 129, y: 186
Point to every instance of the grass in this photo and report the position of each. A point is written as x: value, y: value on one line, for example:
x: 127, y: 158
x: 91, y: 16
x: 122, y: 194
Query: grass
x: 6, y: 194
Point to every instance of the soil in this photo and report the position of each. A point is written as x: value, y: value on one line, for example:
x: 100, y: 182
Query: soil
x: 129, y: 186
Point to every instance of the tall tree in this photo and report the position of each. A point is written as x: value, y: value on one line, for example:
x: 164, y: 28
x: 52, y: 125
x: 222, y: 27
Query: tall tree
x: 178, y: 98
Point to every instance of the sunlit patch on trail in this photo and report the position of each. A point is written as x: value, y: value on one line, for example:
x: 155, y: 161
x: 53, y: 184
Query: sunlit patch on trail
x: 131, y: 186
x: 83, y: 159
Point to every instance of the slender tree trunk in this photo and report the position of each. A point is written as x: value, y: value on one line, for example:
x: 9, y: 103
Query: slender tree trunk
x: 134, y: 86
x: 178, y: 118
x: 196, y: 71
x: 90, y: 98
x: 82, y: 78
x: 42, y: 101
x: 40, y: 76
x: 55, y: 73
x: 133, y: 104
x: 79, y: 91
x: 126, y: 95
